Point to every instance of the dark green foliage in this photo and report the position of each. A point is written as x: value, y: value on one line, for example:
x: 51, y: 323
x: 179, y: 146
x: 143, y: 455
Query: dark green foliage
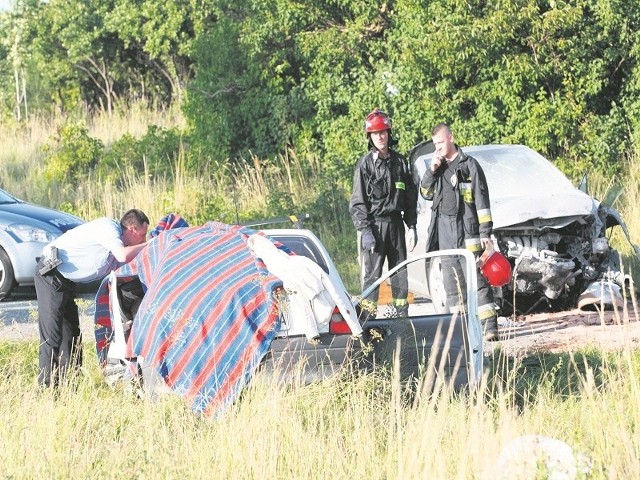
x: 261, y: 78
x: 552, y: 75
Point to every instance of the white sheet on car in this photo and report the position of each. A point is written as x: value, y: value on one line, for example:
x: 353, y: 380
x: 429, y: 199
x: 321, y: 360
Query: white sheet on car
x: 311, y: 294
x: 118, y: 344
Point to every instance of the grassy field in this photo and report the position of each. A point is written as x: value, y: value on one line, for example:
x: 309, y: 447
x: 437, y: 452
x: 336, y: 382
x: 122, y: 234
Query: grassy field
x: 353, y: 427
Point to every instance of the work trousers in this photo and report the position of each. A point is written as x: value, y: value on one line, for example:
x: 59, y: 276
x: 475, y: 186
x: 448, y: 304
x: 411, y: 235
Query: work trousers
x: 453, y: 272
x: 59, y: 326
x: 390, y: 245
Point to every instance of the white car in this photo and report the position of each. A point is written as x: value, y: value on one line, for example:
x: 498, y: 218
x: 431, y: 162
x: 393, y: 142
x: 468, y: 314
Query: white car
x: 554, y: 234
x: 444, y: 347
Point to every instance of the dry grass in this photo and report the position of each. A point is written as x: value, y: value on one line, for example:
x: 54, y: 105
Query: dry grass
x: 359, y: 427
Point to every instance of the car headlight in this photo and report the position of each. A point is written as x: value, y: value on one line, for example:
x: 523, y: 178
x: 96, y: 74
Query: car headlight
x: 29, y: 233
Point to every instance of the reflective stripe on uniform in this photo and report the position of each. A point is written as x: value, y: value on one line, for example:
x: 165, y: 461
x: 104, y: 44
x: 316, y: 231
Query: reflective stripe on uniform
x: 473, y: 244
x: 399, y: 302
x: 466, y: 192
x: 484, y: 215
x: 400, y: 185
x: 486, y: 311
x: 426, y: 192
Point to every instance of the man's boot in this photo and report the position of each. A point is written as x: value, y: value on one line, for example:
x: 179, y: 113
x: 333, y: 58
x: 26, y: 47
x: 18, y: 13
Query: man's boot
x: 402, y: 311
x: 490, y: 329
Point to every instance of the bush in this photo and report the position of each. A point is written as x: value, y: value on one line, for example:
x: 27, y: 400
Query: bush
x: 156, y: 153
x: 73, y: 155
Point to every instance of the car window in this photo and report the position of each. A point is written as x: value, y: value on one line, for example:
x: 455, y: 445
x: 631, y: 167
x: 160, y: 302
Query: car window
x: 425, y: 279
x: 302, y: 246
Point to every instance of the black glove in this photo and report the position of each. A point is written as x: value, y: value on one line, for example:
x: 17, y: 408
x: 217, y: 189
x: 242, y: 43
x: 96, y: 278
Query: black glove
x: 368, y: 240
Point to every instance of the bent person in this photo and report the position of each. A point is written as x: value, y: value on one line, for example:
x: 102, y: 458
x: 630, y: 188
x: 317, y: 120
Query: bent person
x: 85, y: 254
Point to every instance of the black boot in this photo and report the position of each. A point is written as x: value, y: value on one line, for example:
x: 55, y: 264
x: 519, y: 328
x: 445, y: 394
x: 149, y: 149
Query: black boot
x: 490, y: 329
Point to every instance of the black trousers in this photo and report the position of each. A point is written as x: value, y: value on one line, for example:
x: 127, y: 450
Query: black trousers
x: 390, y: 245
x: 453, y: 272
x: 59, y: 326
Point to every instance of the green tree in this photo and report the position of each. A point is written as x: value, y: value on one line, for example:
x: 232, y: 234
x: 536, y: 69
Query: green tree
x: 298, y: 74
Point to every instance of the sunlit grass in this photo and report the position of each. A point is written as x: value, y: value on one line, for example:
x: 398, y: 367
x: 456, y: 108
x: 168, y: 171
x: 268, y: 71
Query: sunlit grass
x: 354, y: 427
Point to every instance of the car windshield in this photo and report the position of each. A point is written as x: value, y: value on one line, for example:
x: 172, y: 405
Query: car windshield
x: 511, y: 169
x: 6, y: 198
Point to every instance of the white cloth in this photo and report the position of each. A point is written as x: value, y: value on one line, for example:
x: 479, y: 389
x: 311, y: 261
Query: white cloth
x: 118, y: 343
x: 312, y: 295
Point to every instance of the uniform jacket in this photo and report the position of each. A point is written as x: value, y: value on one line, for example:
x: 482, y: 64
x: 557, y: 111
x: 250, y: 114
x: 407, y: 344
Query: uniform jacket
x: 473, y: 206
x: 383, y: 190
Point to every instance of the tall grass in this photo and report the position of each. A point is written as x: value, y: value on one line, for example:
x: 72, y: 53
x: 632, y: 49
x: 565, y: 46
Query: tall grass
x: 354, y: 427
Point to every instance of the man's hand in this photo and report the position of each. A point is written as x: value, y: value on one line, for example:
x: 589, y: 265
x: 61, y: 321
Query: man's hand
x: 368, y: 240
x: 486, y: 243
x: 412, y: 237
x: 436, y: 162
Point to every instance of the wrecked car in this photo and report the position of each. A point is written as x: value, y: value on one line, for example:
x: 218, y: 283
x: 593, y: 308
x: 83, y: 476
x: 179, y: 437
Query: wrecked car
x: 556, y: 236
x: 202, y: 309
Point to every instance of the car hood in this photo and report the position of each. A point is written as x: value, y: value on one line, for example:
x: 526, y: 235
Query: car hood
x: 526, y: 190
x: 23, y: 212
x: 541, y: 209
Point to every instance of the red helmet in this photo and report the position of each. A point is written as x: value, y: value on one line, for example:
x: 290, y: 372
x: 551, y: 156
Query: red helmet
x: 496, y: 269
x: 377, y: 121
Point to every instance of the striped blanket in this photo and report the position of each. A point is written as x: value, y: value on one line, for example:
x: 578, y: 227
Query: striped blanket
x: 208, y: 315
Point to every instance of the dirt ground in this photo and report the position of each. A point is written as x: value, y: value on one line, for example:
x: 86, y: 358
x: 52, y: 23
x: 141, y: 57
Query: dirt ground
x: 569, y: 331
x: 563, y: 331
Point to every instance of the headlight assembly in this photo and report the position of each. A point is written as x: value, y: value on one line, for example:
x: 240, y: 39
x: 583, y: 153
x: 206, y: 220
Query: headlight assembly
x: 28, y: 233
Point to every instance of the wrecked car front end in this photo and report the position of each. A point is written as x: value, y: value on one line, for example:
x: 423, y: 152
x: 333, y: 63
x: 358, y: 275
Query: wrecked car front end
x: 555, y: 235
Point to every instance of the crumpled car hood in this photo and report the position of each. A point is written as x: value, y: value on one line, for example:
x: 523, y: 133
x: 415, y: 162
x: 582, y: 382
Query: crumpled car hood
x: 540, y: 209
x: 525, y: 187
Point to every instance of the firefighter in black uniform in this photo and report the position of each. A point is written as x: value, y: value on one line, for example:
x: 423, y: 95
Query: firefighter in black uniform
x: 384, y: 199
x: 461, y: 218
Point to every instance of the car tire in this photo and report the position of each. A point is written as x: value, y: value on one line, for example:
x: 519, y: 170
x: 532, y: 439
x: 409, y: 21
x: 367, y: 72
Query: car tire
x: 435, y: 283
x: 7, y: 278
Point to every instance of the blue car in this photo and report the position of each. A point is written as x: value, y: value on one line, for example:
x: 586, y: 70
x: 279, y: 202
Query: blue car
x: 24, y: 230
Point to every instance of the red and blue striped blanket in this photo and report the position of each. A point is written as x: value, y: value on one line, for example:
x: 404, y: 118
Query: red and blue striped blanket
x: 208, y: 316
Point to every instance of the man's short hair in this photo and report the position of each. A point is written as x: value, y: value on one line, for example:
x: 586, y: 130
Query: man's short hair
x: 439, y: 128
x: 134, y: 217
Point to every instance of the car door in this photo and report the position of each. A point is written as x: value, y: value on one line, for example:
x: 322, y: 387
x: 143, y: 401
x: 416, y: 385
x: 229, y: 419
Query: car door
x: 425, y: 342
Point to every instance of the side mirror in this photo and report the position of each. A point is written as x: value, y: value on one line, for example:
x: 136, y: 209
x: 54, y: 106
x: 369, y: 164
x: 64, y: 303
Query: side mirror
x: 583, y: 186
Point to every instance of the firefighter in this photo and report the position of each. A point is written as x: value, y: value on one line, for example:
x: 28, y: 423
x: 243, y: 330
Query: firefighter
x: 384, y: 199
x: 461, y: 218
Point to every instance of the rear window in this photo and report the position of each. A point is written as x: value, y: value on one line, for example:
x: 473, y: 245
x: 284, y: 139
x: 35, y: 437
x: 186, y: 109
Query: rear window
x: 302, y: 246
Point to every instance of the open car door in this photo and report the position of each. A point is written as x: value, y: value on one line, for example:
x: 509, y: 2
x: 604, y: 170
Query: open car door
x: 424, y: 341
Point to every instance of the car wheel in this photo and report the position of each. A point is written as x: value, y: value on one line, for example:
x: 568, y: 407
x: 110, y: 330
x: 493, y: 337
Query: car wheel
x: 7, y: 279
x: 435, y: 283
